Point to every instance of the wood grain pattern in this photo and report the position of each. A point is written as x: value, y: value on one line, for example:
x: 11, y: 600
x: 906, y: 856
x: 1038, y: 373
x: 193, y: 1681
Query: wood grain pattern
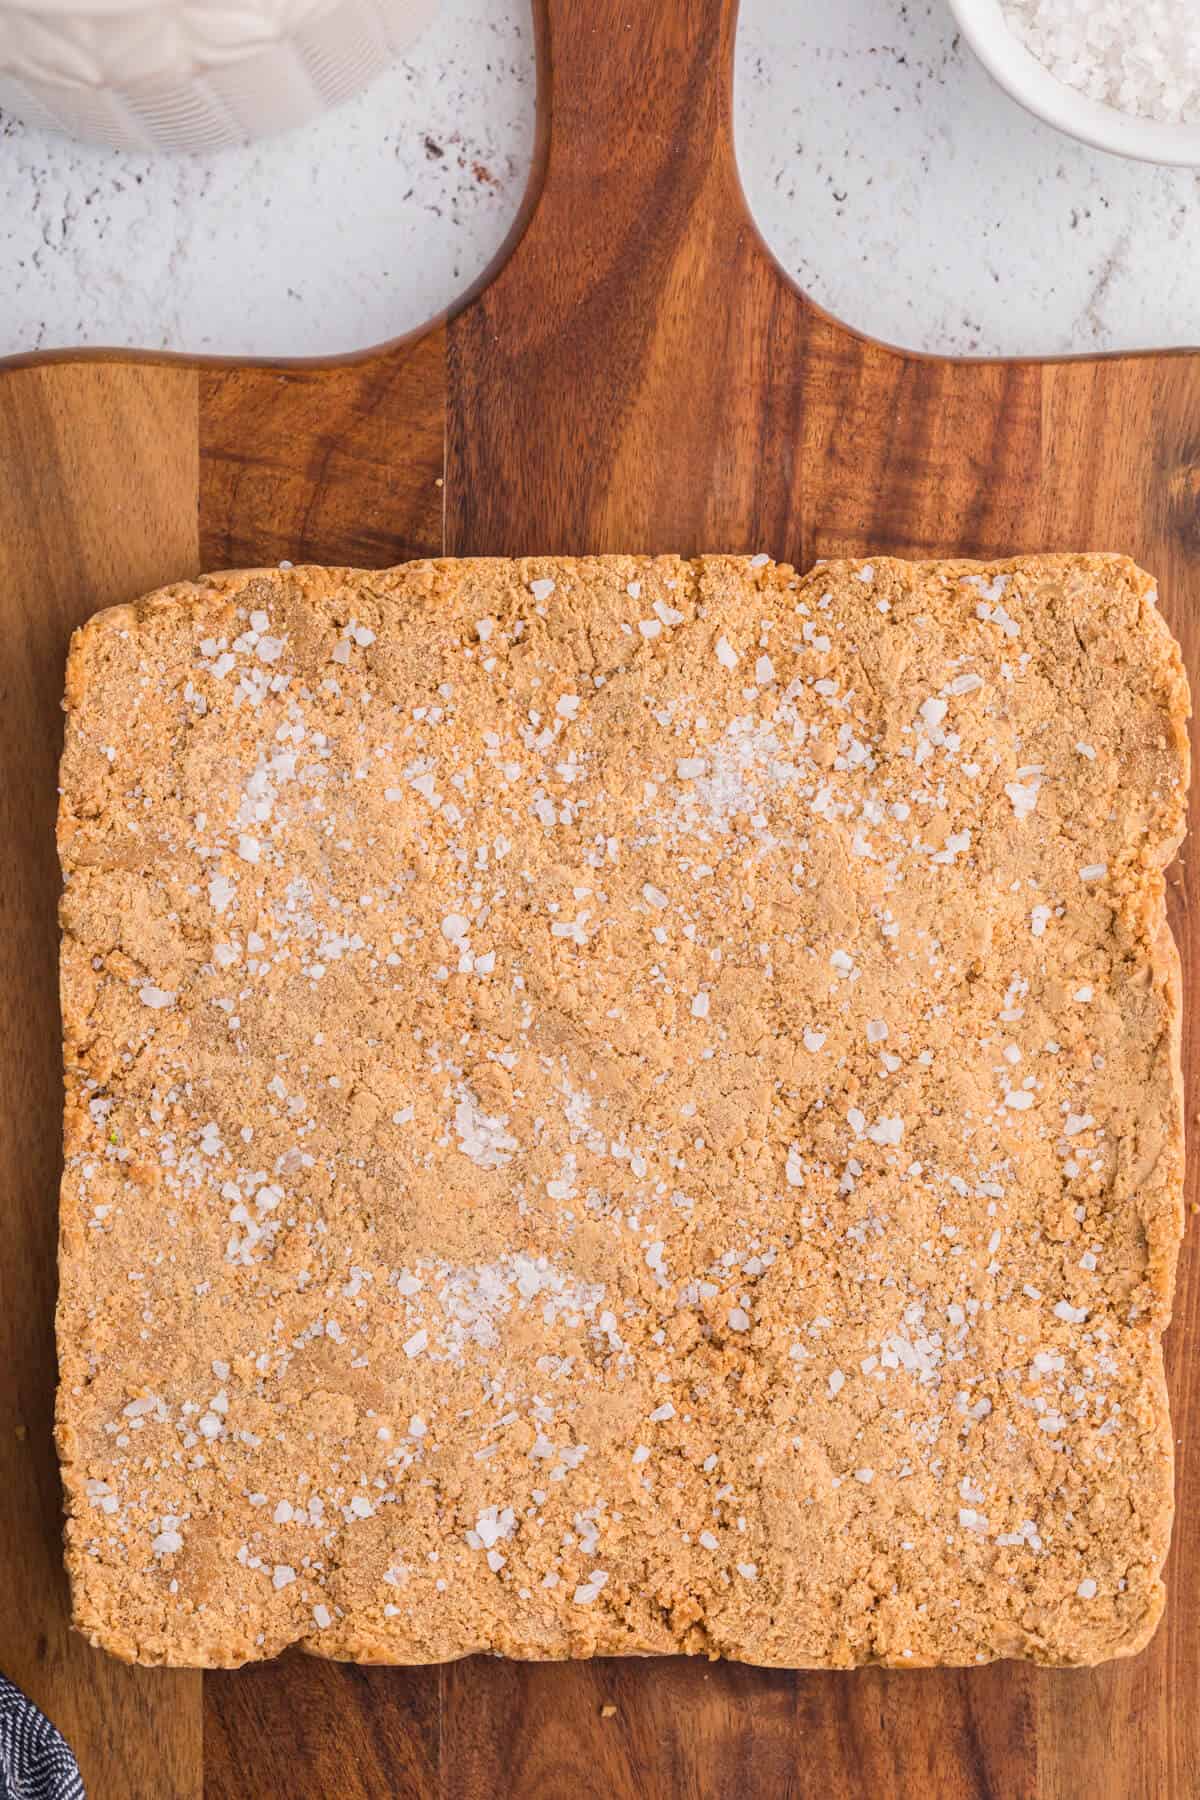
x: 97, y: 499
x: 323, y: 1728
x: 336, y: 465
x: 640, y: 375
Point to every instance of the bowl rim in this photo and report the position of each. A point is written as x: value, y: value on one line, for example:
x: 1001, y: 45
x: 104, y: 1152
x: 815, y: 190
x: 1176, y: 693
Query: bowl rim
x: 1093, y: 122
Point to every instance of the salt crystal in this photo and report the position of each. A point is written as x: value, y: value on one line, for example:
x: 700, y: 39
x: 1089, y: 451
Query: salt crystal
x: 588, y: 1590
x: 1024, y: 795
x: 886, y: 1131
x: 220, y: 892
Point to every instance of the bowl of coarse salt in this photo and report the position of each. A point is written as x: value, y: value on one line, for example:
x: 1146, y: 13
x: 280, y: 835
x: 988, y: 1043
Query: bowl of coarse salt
x: 1122, y: 75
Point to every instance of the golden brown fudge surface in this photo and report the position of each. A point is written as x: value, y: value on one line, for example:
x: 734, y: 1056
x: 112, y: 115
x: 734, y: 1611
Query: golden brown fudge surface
x: 622, y: 1105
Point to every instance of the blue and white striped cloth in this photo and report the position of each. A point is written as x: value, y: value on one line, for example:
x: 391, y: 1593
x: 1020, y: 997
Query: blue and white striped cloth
x: 35, y: 1763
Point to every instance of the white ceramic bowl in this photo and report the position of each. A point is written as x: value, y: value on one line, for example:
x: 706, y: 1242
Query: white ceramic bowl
x: 1008, y: 61
x: 193, y: 74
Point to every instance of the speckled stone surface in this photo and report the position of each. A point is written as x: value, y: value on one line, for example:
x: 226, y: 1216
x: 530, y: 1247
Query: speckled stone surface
x: 332, y: 238
x: 915, y: 200
x: 907, y: 194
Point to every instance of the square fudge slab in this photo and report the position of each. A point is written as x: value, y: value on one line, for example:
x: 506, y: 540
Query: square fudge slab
x: 622, y: 1105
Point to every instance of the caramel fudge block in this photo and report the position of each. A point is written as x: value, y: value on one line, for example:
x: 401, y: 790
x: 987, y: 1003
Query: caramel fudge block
x: 622, y: 1105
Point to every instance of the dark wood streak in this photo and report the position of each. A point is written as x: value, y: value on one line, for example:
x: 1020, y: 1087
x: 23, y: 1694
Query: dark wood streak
x: 340, y: 464
x: 97, y: 499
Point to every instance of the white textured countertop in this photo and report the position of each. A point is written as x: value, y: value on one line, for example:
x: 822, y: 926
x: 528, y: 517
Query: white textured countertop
x: 907, y: 195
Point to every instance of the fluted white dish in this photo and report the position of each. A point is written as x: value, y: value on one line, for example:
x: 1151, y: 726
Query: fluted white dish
x: 193, y: 74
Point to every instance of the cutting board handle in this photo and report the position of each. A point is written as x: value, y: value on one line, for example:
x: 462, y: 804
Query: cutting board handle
x: 635, y: 123
x: 599, y: 381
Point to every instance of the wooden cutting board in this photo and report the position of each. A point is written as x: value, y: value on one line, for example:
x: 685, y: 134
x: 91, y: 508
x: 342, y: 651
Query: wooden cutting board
x: 639, y: 375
